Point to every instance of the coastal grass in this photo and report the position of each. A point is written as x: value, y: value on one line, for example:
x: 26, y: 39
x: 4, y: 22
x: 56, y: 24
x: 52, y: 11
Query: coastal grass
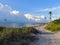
x: 14, y: 34
x: 54, y: 26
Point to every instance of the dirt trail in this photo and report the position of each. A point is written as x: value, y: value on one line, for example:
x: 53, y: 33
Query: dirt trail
x: 46, y: 37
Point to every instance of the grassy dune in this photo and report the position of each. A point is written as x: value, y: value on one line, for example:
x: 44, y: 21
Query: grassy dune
x: 15, y: 34
x: 54, y: 26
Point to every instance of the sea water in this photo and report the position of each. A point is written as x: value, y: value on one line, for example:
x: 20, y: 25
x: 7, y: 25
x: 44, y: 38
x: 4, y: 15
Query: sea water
x: 12, y: 24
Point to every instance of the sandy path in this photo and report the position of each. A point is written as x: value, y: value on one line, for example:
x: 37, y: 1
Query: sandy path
x: 47, y: 37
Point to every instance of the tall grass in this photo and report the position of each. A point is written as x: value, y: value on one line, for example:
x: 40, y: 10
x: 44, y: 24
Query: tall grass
x: 54, y: 25
x: 14, y: 34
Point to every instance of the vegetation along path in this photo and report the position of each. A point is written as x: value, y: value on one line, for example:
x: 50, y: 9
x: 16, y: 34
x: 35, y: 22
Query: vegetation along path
x: 46, y: 37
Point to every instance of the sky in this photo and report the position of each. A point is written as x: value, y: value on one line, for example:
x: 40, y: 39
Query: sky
x: 35, y: 10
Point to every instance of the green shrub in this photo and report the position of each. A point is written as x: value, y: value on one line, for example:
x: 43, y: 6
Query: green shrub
x: 54, y: 25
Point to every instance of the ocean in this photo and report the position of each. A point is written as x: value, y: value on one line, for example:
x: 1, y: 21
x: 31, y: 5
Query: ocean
x: 12, y: 24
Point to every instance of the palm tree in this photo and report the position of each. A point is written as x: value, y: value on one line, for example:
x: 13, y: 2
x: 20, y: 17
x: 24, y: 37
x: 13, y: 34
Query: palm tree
x: 5, y: 20
x: 50, y: 13
x: 45, y: 18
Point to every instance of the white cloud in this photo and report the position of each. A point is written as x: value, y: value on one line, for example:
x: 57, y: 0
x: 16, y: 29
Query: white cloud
x: 34, y: 18
x: 5, y: 8
x: 1, y: 6
x: 48, y: 9
x: 14, y: 12
x: 28, y: 16
x: 8, y: 10
x: 54, y: 19
x: 43, y: 17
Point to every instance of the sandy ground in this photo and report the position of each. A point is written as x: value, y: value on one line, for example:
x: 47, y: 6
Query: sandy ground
x: 46, y: 37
